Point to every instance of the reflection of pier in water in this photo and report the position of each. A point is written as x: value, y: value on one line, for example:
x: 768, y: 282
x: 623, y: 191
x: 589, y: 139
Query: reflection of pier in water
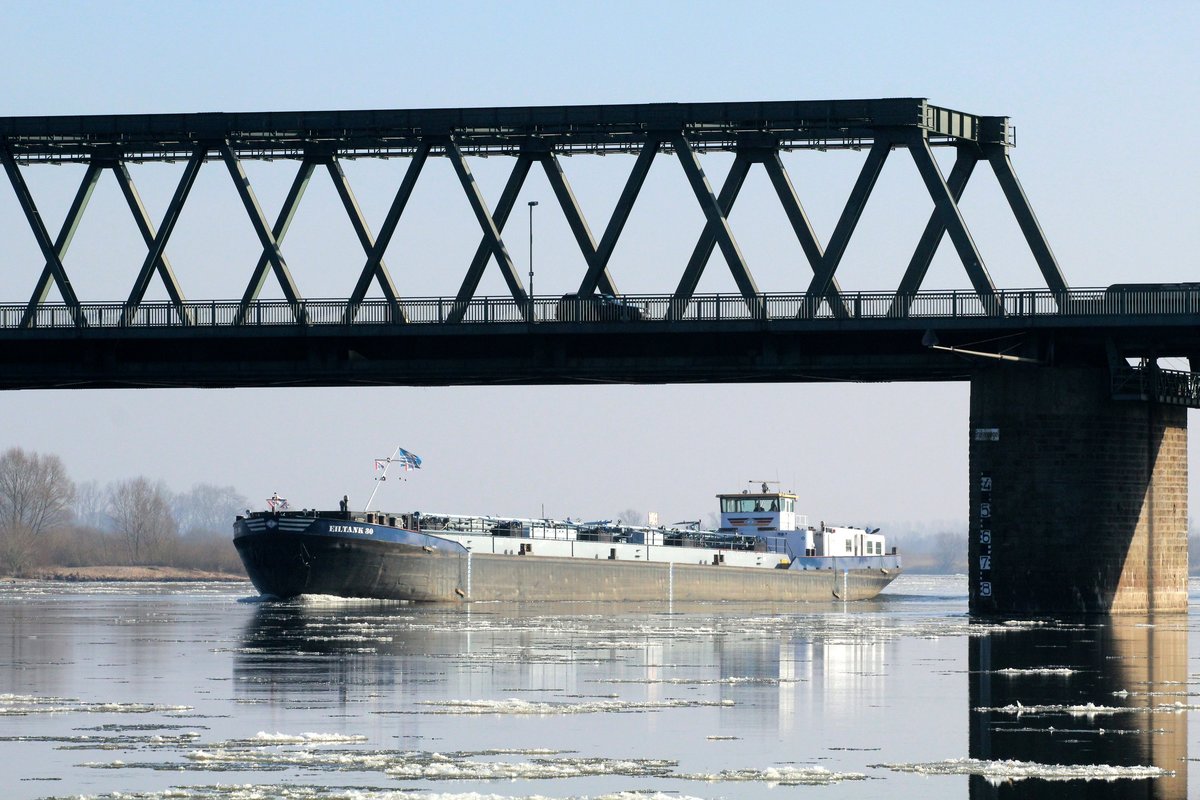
x: 1147, y: 659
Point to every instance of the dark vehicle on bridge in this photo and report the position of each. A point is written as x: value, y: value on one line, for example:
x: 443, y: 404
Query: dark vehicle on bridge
x: 1152, y: 298
x: 596, y: 308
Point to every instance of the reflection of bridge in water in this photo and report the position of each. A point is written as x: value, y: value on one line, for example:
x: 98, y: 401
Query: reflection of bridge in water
x: 1078, y: 445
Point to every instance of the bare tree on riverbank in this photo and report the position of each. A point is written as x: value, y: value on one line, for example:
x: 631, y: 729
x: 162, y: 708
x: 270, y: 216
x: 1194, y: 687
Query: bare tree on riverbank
x: 208, y: 509
x: 141, y: 514
x: 35, y: 499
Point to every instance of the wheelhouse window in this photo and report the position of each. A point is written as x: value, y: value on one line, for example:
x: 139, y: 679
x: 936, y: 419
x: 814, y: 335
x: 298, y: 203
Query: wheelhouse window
x: 743, y: 505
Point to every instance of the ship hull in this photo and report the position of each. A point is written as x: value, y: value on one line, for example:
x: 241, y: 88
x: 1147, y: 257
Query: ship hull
x: 404, y: 565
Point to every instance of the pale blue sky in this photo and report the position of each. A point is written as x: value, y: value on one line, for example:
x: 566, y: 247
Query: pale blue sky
x: 1104, y: 97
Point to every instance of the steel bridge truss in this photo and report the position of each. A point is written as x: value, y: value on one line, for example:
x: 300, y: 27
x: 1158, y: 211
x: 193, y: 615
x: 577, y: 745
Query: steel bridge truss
x: 757, y: 133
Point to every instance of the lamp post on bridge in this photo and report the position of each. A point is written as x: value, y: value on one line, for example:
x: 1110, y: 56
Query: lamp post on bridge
x: 532, y: 203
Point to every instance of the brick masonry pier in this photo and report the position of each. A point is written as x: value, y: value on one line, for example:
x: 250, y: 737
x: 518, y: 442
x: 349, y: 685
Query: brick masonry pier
x: 1078, y: 502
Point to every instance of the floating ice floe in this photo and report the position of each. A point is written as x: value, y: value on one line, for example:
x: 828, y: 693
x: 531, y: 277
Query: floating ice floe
x: 525, y: 707
x: 1085, y: 709
x: 535, y: 769
x: 294, y: 792
x: 732, y: 681
x: 16, y: 705
x: 783, y: 776
x: 1056, y: 671
x: 1021, y: 770
x: 262, y: 737
x: 412, y: 765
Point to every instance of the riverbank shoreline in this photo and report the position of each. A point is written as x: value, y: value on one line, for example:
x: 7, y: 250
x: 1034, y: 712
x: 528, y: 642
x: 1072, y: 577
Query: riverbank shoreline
x: 126, y: 574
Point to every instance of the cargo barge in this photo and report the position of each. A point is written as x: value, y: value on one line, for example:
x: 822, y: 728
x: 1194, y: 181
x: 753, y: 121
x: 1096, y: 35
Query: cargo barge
x: 763, y: 551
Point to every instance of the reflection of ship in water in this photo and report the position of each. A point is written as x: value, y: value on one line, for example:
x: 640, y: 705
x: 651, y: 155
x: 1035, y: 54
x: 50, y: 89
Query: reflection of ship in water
x: 1134, y: 664
x: 306, y: 650
x: 755, y: 655
x: 822, y: 666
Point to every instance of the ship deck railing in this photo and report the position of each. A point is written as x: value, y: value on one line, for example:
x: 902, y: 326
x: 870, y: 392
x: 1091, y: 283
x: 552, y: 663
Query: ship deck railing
x: 847, y: 563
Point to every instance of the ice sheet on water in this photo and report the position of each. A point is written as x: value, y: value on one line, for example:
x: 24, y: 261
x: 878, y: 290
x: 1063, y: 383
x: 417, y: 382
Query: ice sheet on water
x: 17, y: 705
x: 779, y: 776
x: 526, y: 707
x: 534, y: 769
x: 1083, y: 709
x: 1078, y: 710
x: 114, y: 741
x: 731, y: 681
x: 1055, y: 671
x: 509, y: 656
x: 1021, y: 770
x: 411, y: 765
x: 292, y: 792
x: 262, y: 737
x: 272, y: 752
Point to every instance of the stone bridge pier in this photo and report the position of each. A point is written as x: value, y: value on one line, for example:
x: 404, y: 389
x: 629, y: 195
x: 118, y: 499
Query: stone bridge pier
x: 1078, y: 501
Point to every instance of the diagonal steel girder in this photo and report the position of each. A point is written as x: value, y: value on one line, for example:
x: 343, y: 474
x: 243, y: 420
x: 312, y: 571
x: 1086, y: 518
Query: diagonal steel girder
x: 946, y: 206
x: 65, y: 234
x: 918, y: 266
x: 50, y: 250
x: 146, y: 228
x: 266, y: 237
x: 284, y: 221
x: 375, y: 269
x: 491, y: 244
x: 716, y: 225
x: 1035, y: 237
x: 598, y: 266
x: 579, y: 227
x: 159, y: 242
x: 801, y: 225
x: 822, y: 281
x: 596, y: 256
x: 708, y: 237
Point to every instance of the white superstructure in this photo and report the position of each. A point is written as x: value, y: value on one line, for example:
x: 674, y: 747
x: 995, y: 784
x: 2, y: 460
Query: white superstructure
x: 773, y: 514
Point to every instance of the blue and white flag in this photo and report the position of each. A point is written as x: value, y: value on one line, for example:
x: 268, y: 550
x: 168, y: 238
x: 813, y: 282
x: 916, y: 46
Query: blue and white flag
x: 406, y: 460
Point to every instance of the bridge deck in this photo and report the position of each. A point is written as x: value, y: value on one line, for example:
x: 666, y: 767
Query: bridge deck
x: 645, y: 339
x: 862, y: 310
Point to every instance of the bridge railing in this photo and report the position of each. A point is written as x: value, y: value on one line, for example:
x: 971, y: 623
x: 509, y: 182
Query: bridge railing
x: 1174, y: 387
x: 1165, y: 300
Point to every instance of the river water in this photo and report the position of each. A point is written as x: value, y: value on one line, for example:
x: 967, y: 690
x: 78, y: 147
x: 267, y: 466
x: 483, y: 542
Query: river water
x: 202, y: 691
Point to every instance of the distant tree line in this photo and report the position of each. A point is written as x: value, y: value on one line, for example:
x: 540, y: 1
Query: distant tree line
x: 48, y: 520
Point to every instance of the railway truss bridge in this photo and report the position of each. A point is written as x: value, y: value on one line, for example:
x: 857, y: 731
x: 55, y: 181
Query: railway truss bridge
x: 1078, y: 436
